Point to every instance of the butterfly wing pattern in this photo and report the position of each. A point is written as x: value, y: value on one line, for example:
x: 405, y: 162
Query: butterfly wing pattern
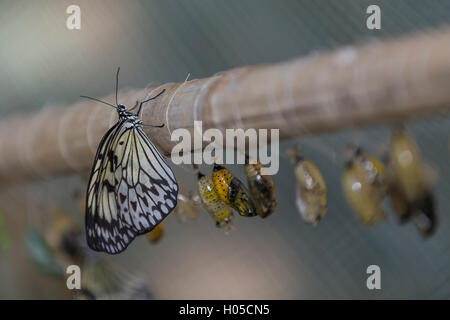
x: 130, y: 191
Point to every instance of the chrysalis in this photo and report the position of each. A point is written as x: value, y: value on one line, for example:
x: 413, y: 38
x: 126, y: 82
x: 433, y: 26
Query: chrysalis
x: 409, y: 192
x: 311, y: 190
x: 365, y: 185
x: 262, y: 188
x: 219, y: 211
x: 233, y: 192
x: 408, y: 168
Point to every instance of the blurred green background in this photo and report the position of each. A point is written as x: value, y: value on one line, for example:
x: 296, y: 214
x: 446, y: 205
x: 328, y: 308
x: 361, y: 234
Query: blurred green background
x: 43, y: 63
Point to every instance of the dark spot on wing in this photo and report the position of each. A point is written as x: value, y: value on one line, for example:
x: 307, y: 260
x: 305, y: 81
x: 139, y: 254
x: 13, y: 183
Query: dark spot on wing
x: 153, y: 190
x: 110, y: 155
x: 108, y: 186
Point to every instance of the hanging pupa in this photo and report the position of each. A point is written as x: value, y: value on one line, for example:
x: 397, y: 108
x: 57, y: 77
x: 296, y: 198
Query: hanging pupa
x: 311, y: 189
x: 219, y: 211
x: 262, y: 188
x: 233, y: 192
x: 410, y: 182
x: 364, y: 185
x: 407, y: 165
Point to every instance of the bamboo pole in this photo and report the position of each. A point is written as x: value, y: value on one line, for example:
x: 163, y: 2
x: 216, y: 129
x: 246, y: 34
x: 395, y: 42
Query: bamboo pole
x: 355, y: 86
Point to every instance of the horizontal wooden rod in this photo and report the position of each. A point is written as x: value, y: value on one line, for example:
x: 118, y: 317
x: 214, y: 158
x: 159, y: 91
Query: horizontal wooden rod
x: 379, y: 82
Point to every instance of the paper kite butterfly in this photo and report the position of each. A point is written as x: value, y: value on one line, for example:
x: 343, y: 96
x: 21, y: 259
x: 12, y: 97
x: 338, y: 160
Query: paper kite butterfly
x: 131, y: 188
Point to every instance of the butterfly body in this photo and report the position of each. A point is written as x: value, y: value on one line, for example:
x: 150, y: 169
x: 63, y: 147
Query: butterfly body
x: 125, y: 115
x: 131, y: 188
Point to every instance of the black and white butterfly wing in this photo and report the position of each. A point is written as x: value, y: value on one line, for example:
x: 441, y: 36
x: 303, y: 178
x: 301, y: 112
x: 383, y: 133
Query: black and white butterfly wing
x: 101, y: 220
x: 131, y: 189
x: 147, y: 189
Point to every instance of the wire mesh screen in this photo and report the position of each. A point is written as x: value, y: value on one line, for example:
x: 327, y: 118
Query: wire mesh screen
x: 280, y: 257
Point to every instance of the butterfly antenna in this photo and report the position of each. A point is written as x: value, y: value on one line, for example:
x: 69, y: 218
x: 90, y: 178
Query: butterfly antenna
x: 117, y: 83
x: 152, y: 98
x: 135, y: 106
x: 98, y: 100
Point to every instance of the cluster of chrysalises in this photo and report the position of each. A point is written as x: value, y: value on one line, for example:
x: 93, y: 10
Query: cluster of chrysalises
x: 223, y: 192
x: 367, y: 181
x: 403, y: 178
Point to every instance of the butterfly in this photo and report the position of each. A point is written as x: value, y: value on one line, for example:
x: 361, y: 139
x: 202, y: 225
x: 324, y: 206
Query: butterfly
x: 131, y: 188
